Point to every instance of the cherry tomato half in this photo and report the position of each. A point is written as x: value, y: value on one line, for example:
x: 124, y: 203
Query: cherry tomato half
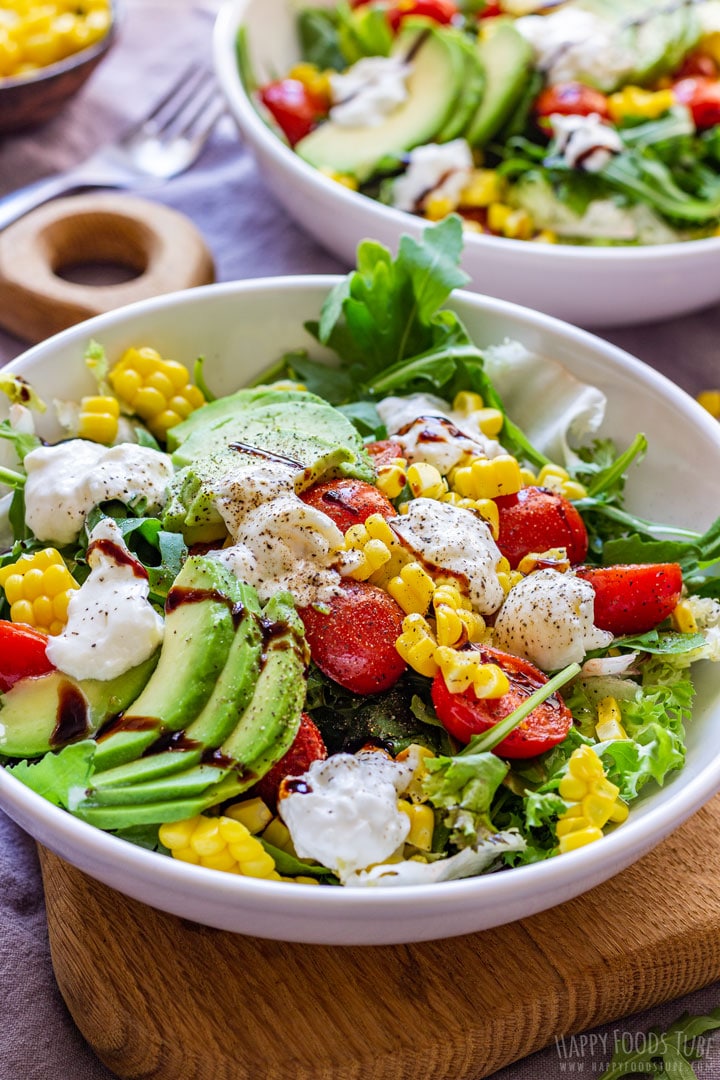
x: 698, y: 63
x: 384, y: 452
x: 535, y: 519
x: 348, y: 502
x: 634, y: 598
x: 571, y: 99
x: 465, y: 715
x: 22, y: 654
x: 490, y: 11
x: 440, y: 11
x: 308, y: 746
x: 702, y: 97
x: 354, y: 643
x: 295, y: 110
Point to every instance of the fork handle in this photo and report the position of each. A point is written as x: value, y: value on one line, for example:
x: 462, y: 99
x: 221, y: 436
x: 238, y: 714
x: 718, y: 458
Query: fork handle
x: 18, y: 203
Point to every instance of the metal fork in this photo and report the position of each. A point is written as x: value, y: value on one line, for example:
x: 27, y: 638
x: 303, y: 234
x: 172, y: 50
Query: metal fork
x: 162, y: 145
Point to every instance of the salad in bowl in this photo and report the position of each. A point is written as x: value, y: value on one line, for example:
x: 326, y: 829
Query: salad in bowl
x: 584, y: 122
x: 381, y: 618
x: 577, y: 141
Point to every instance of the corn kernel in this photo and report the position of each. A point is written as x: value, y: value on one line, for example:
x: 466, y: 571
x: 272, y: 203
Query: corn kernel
x: 467, y: 402
x: 416, y: 645
x: 486, y: 478
x: 252, y: 813
x: 157, y: 390
x: 579, y: 839
x: 278, y: 835
x: 220, y: 843
x: 498, y: 215
x: 412, y: 589
x: 637, y: 103
x: 518, y: 226
x: 391, y: 478
x: 438, y: 207
x: 609, y: 721
x: 37, y: 588
x: 422, y: 824
x: 683, y: 619
x: 426, y: 481
x: 554, y: 558
x: 486, y: 186
x: 572, y: 788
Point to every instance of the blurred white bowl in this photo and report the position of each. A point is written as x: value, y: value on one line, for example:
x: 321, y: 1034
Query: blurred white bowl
x: 241, y: 328
x: 587, y: 286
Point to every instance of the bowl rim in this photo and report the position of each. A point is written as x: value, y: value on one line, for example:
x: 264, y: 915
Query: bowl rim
x: 230, y: 19
x: 618, y: 849
x: 71, y: 62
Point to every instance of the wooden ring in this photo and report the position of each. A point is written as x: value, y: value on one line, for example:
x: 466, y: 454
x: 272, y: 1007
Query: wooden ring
x: 161, y: 245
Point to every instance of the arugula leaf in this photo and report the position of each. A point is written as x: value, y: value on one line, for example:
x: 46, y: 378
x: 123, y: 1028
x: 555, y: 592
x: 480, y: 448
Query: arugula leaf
x: 291, y: 866
x: 22, y: 442
x: 665, y: 1054
x: 319, y: 41
x: 661, y: 643
x: 162, y: 553
x: 363, y: 31
x: 386, y: 310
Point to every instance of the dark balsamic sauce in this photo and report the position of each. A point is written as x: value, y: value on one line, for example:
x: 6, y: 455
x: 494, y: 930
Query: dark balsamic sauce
x: 72, y: 716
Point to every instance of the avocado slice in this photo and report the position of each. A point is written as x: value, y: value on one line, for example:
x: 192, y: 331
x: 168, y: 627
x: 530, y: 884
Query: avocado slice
x: 199, y: 629
x: 261, y: 736
x: 229, y: 698
x: 507, y: 59
x: 292, y: 424
x: 44, y: 712
x: 227, y: 408
x: 434, y: 85
x: 472, y: 89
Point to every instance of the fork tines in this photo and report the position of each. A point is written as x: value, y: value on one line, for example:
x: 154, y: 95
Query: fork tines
x: 192, y: 99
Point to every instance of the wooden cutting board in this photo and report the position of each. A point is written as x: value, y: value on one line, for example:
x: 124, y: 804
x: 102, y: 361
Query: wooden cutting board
x: 163, y: 999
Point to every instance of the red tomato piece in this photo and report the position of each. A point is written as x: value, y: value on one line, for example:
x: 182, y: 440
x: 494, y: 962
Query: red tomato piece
x: 440, y: 11
x: 535, y: 519
x: 348, y: 502
x: 490, y: 11
x: 307, y: 747
x: 634, y: 598
x: 571, y: 99
x: 384, y: 452
x: 295, y: 110
x: 465, y: 715
x: 354, y: 643
x: 698, y: 63
x: 22, y: 654
x: 702, y: 97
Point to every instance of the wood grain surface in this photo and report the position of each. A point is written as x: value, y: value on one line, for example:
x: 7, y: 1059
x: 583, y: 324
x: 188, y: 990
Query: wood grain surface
x: 160, y: 246
x: 164, y: 999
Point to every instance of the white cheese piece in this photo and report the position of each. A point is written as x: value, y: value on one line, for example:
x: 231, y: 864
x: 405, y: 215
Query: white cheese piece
x: 548, y: 618
x: 427, y: 429
x: 442, y: 170
x: 343, y: 811
x: 112, y: 626
x: 466, y: 863
x: 706, y: 613
x: 279, y: 541
x: 67, y: 480
x: 584, y: 142
x: 573, y: 45
x: 446, y: 538
x: 369, y: 90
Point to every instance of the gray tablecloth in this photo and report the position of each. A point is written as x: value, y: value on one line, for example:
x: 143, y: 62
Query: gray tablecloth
x: 249, y: 236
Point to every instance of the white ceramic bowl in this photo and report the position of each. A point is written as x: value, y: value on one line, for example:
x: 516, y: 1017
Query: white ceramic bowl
x: 241, y: 328
x: 587, y: 286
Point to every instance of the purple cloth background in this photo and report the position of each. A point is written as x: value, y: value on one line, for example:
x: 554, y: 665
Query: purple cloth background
x: 249, y: 236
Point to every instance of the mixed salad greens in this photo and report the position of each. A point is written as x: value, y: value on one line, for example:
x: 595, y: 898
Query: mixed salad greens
x: 582, y: 122
x: 348, y: 625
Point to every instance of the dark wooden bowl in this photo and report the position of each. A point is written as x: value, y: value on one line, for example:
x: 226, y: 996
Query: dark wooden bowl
x: 33, y: 99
